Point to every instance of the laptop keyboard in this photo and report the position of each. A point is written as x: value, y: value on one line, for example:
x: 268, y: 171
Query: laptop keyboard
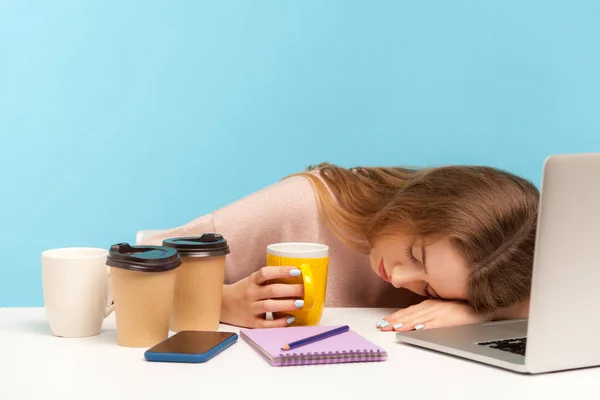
x: 515, y: 345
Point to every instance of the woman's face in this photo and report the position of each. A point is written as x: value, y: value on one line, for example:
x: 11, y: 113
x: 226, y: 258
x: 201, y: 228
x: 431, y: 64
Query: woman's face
x: 436, y: 271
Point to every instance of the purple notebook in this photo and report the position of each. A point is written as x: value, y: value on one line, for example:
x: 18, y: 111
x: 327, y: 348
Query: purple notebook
x: 343, y: 348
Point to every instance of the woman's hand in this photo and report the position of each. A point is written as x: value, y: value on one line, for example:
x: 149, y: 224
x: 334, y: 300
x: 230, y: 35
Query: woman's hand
x: 246, y: 302
x: 431, y: 313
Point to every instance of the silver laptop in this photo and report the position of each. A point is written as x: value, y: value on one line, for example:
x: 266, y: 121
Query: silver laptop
x: 563, y: 328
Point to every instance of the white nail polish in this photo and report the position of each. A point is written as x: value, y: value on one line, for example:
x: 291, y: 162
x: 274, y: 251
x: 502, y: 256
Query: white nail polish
x: 290, y: 320
x: 295, y: 272
x: 382, y: 324
x: 420, y: 326
x: 299, y: 303
x: 399, y: 325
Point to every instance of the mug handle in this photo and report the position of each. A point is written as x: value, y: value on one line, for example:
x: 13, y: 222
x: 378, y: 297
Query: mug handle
x: 110, y: 303
x: 309, y: 287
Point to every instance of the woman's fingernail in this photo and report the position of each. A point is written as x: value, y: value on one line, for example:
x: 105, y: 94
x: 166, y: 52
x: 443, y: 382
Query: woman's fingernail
x: 420, y: 326
x: 299, y: 303
x: 295, y: 272
x: 398, y: 326
x: 382, y: 324
x: 290, y: 320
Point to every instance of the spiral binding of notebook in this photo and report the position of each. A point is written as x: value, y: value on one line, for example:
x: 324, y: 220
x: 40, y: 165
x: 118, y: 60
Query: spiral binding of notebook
x: 348, y: 347
x: 331, y: 357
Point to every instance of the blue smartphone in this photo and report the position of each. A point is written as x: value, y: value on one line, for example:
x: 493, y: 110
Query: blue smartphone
x: 191, y: 346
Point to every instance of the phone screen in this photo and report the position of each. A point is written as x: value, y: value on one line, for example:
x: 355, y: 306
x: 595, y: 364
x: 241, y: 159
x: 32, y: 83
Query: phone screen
x: 191, y: 342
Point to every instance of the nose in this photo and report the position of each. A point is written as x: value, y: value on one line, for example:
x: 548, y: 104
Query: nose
x: 407, y: 277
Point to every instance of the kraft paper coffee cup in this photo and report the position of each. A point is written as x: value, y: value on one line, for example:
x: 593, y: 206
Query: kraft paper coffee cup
x: 143, y: 280
x: 199, y: 286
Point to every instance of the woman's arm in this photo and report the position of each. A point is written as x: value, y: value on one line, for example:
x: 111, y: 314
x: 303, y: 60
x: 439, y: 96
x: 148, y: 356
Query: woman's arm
x: 284, y: 211
x: 434, y: 313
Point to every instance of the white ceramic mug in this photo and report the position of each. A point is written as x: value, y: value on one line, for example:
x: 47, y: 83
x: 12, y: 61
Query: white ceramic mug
x: 76, y: 286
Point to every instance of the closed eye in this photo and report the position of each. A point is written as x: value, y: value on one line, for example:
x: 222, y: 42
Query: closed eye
x: 411, y: 256
x: 430, y: 292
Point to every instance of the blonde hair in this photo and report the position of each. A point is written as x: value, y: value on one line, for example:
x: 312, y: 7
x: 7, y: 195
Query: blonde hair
x: 489, y: 215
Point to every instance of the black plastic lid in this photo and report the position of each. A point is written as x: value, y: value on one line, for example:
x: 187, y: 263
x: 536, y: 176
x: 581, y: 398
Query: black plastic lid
x: 143, y: 258
x: 207, y: 245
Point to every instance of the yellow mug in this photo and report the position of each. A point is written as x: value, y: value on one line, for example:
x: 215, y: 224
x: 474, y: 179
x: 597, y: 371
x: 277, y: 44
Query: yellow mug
x: 313, y: 261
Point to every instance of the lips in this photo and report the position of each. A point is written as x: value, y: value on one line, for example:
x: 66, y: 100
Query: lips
x: 382, y: 272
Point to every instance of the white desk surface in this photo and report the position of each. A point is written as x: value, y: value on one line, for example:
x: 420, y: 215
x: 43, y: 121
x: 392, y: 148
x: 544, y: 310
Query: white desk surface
x: 36, y: 365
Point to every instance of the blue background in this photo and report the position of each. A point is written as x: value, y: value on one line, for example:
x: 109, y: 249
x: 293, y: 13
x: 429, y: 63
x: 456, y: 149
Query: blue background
x: 117, y: 116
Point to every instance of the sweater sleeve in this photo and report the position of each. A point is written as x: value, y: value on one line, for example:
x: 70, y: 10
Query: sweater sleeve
x: 284, y: 211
